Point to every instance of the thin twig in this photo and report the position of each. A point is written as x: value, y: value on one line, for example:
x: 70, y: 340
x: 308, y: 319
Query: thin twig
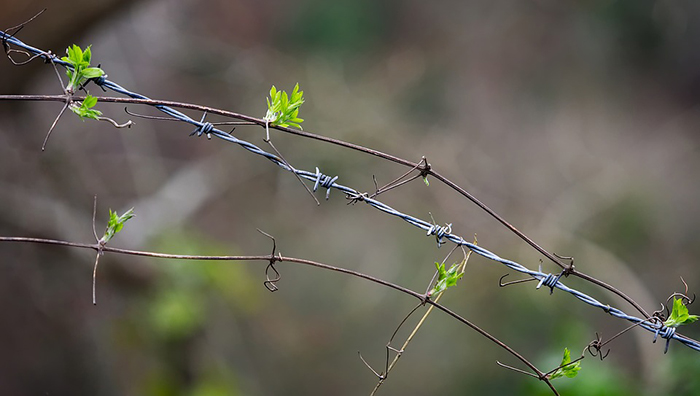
x: 398, y: 181
x: 94, y: 278
x: 127, y: 124
x: 63, y: 110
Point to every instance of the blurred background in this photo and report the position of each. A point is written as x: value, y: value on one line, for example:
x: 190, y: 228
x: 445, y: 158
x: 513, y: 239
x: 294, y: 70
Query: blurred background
x: 577, y: 122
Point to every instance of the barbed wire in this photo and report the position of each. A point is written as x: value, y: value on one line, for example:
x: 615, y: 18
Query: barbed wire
x: 441, y: 233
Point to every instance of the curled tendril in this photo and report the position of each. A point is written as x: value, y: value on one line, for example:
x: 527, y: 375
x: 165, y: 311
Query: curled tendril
x: 270, y: 284
x: 502, y: 284
x: 594, y: 348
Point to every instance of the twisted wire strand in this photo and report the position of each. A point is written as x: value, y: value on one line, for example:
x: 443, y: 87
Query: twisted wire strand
x: 441, y: 233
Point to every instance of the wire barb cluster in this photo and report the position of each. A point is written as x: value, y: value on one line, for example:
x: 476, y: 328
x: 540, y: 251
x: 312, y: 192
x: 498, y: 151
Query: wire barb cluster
x: 439, y: 232
x: 324, y: 181
x: 204, y: 128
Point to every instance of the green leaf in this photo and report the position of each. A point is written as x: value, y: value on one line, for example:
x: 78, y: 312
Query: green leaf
x: 75, y: 54
x: 90, y: 101
x: 566, y: 368
x: 425, y: 180
x: 92, y: 72
x: 116, y: 223
x: 679, y: 314
x: 87, y: 55
x: 446, y: 278
x: 87, y: 113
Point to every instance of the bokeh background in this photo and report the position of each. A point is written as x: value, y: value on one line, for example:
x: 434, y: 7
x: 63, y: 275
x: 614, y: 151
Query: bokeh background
x: 576, y: 121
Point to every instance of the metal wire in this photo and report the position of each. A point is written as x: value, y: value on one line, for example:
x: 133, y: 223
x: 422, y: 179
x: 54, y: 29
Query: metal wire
x: 441, y: 233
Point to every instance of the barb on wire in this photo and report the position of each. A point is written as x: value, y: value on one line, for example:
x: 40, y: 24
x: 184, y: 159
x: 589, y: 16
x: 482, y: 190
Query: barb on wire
x: 354, y: 198
x: 666, y: 333
x: 204, y: 128
x: 550, y: 280
x: 439, y: 231
x: 271, y: 284
x: 324, y: 181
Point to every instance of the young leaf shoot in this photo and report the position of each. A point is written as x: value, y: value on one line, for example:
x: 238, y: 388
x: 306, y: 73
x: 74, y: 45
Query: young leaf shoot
x: 116, y: 223
x: 85, y: 109
x: 81, y: 70
x: 282, y: 109
x: 679, y: 314
x: 446, y: 278
x: 566, y: 368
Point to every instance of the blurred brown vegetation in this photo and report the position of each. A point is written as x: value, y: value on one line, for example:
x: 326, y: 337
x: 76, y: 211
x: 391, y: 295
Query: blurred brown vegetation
x: 578, y: 122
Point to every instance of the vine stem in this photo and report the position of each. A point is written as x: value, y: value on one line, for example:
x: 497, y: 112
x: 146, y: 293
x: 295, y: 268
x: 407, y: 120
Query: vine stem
x: 279, y: 258
x: 427, y: 169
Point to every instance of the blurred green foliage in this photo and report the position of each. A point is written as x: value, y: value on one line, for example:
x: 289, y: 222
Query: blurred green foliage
x: 683, y: 374
x: 634, y: 26
x: 344, y: 27
x: 179, y: 311
x: 624, y: 228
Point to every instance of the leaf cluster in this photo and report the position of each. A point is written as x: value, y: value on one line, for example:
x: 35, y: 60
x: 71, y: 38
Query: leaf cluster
x: 679, y: 314
x: 81, y: 71
x: 566, y: 368
x: 85, y: 109
x: 446, y: 277
x: 116, y: 223
x: 283, y: 109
